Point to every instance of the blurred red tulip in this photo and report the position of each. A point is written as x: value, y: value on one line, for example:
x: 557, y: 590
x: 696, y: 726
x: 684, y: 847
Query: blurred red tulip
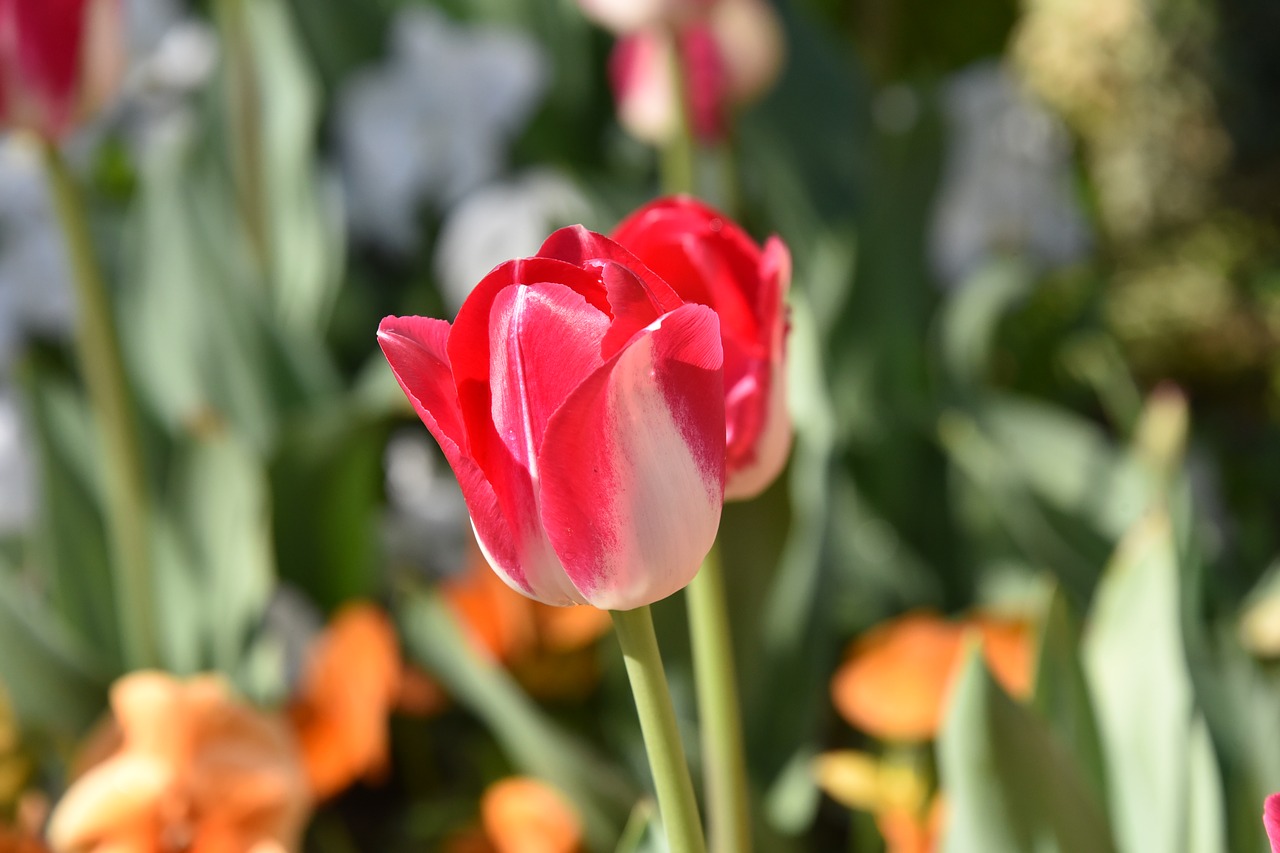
x: 710, y: 260
x: 580, y: 403
x: 730, y: 54
x: 60, y: 61
x: 1271, y: 820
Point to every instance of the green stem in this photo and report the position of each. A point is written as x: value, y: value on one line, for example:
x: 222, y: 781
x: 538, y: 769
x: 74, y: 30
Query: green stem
x: 723, y: 760
x: 677, y: 804
x: 98, y: 350
x: 678, y: 154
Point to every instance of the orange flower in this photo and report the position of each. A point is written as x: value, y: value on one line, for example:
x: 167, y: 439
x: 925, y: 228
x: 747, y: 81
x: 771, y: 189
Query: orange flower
x: 17, y: 841
x: 905, y: 832
x: 23, y: 835
x: 543, y: 645
x: 353, y: 680
x: 196, y: 770
x: 895, y: 681
x: 522, y: 815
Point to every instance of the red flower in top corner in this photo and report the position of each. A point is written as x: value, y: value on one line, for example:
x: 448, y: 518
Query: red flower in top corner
x: 580, y: 402
x: 60, y: 60
x: 710, y: 260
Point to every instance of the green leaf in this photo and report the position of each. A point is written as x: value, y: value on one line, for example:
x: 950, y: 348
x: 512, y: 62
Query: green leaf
x: 1062, y: 694
x: 1010, y: 785
x: 532, y: 741
x: 1158, y: 754
x: 54, y: 685
x: 303, y: 221
x: 969, y: 318
x: 71, y: 541
x: 223, y: 491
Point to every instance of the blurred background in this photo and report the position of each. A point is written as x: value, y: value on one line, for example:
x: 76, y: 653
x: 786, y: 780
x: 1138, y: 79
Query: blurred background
x: 1034, y: 373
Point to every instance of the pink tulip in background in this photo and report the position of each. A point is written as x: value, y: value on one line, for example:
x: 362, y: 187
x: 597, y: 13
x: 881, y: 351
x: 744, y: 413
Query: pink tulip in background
x: 60, y: 61
x: 580, y: 402
x: 1271, y: 820
x: 730, y: 52
x: 710, y: 260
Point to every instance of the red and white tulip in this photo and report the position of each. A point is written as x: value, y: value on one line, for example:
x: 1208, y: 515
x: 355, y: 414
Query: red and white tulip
x: 711, y: 261
x: 60, y: 61
x: 580, y: 402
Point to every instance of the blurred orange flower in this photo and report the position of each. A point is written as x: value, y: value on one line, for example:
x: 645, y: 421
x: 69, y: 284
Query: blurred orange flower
x: 196, y: 770
x: 13, y: 840
x: 906, y: 832
x: 521, y: 815
x: 543, y: 645
x: 353, y: 679
x: 895, y: 680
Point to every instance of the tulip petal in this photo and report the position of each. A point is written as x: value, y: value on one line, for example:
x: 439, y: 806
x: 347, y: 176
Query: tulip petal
x: 755, y: 460
x: 633, y: 464
x: 469, y: 344
x: 544, y: 340
x: 1271, y: 820
x: 580, y: 247
x: 415, y: 347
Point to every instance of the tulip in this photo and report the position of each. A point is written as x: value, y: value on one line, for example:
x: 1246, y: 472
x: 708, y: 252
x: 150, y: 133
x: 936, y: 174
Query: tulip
x: 60, y: 61
x: 1271, y: 821
x: 729, y: 55
x: 709, y: 260
x: 580, y: 402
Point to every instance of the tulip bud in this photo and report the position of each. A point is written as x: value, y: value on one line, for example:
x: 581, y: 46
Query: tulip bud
x: 60, y: 61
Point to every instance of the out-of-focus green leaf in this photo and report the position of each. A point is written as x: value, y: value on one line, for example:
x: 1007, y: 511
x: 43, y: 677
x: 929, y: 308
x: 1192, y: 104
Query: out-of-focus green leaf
x: 71, y: 543
x: 223, y: 493
x: 533, y: 743
x: 1067, y: 461
x: 1062, y: 694
x: 327, y: 485
x: 968, y: 320
x: 1010, y: 785
x: 1136, y: 663
x: 180, y: 600
x: 54, y: 684
x: 304, y: 226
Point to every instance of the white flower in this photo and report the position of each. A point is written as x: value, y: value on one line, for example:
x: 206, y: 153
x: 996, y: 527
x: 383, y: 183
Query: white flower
x: 17, y: 474
x: 1006, y: 186
x: 35, y: 289
x: 433, y: 121
x: 426, y: 524
x: 501, y: 221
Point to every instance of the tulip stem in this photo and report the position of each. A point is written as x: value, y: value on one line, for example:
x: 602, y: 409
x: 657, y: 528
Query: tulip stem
x: 723, y: 758
x: 677, y: 804
x: 102, y: 368
x: 679, y: 152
